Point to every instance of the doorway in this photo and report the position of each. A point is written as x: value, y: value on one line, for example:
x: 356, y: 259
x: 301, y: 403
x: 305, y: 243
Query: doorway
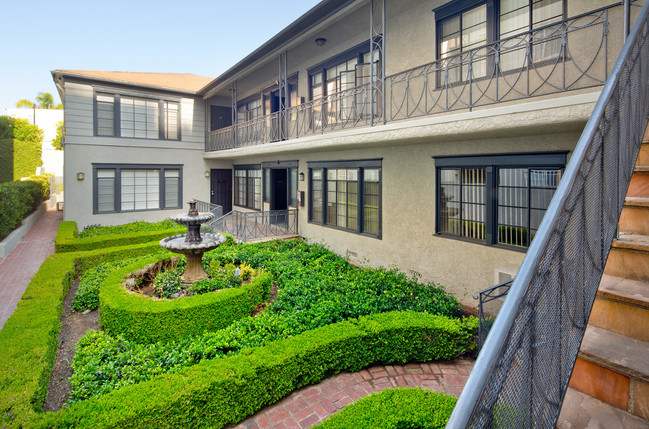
x: 221, y: 188
x: 279, y: 189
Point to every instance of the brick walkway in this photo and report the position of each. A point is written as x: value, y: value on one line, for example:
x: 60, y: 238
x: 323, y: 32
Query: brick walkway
x: 312, y: 404
x: 18, y: 268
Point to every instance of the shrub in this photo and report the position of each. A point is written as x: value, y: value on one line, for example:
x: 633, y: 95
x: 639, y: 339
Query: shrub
x: 225, y: 391
x: 399, y: 408
x: 325, y: 290
x: 67, y: 241
x: 145, y: 320
x: 27, y: 148
x: 127, y: 228
x: 17, y: 200
x: 28, y: 340
x: 6, y: 149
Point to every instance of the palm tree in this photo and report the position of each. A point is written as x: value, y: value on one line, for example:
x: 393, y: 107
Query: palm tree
x: 25, y: 103
x: 45, y: 100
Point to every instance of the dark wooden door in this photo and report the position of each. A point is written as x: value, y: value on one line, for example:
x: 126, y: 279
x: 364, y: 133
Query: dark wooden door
x: 221, y: 188
x: 220, y: 117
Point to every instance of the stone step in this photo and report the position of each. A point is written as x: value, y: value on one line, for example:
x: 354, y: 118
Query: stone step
x: 629, y: 257
x: 643, y: 156
x: 622, y: 306
x: 582, y: 411
x: 614, y: 368
x: 639, y: 185
x: 635, y: 216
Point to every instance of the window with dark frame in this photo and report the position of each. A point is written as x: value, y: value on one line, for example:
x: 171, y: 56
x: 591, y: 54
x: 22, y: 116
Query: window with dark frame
x: 122, y: 188
x: 346, y: 195
x: 247, y: 187
x: 464, y: 26
x: 136, y: 117
x: 495, y: 200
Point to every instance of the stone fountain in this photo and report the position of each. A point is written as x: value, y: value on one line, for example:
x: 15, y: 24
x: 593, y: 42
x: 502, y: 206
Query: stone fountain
x: 193, y: 244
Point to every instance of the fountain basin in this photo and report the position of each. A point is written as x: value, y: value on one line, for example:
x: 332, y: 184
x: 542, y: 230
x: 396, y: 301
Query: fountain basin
x: 193, y: 251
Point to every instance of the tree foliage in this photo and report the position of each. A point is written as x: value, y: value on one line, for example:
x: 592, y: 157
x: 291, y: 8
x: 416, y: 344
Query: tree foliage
x: 58, y: 139
x: 27, y: 139
x: 25, y: 103
x: 6, y: 149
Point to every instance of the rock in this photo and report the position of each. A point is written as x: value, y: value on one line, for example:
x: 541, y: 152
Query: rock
x: 86, y: 311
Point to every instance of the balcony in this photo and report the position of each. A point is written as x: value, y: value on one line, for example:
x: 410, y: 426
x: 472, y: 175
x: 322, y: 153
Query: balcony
x: 574, y: 54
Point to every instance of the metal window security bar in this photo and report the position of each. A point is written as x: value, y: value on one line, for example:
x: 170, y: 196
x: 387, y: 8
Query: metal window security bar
x: 571, y: 54
x: 521, y: 375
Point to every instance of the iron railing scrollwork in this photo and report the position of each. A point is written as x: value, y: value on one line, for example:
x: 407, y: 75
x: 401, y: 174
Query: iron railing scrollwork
x: 521, y: 375
x: 253, y: 225
x: 572, y: 54
x: 486, y: 311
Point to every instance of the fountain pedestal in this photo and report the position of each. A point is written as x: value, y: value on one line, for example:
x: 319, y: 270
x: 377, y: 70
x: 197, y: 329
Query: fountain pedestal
x: 193, y: 244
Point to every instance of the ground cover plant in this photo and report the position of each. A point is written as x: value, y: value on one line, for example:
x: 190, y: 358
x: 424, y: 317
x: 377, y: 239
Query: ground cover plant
x: 400, y: 408
x: 315, y: 288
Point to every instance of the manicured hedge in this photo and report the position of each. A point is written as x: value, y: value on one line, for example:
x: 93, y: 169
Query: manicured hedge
x: 66, y: 239
x: 17, y: 200
x: 27, y: 148
x: 6, y: 149
x: 225, y: 391
x: 145, y: 320
x: 398, y: 408
x: 28, y: 340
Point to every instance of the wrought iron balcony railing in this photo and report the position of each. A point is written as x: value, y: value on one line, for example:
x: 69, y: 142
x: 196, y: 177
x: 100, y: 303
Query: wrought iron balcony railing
x: 573, y: 54
x: 254, y: 225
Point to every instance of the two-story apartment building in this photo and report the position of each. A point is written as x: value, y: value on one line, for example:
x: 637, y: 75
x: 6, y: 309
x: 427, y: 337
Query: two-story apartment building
x: 425, y: 134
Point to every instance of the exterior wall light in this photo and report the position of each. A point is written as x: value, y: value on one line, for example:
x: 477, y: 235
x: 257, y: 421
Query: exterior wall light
x: 301, y: 177
x: 81, y: 176
x: 320, y: 41
x: 207, y: 174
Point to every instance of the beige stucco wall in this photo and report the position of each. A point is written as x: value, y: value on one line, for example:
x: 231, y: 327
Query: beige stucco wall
x: 408, y: 183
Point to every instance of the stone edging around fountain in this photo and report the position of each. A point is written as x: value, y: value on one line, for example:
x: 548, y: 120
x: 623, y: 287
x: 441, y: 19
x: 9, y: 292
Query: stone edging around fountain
x: 140, y: 318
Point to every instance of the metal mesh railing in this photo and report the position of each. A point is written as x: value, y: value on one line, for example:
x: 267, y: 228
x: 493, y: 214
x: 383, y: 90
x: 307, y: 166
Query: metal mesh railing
x: 254, y: 225
x: 204, y: 207
x: 521, y: 376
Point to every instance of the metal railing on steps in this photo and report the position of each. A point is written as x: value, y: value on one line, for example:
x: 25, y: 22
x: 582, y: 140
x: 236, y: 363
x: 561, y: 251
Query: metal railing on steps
x: 247, y: 226
x: 521, y: 375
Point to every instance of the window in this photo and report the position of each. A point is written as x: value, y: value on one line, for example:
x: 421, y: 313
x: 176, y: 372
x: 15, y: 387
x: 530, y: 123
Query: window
x: 249, y: 110
x: 134, y: 117
x: 346, y: 195
x: 496, y: 200
x: 247, y: 186
x: 463, y: 27
x: 120, y: 188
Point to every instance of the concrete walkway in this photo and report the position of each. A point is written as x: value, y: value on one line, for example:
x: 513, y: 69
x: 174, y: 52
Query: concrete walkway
x: 18, y: 268
x: 312, y: 404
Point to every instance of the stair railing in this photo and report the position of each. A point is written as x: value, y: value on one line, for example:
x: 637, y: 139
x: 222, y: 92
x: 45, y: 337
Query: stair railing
x: 521, y: 375
x: 253, y: 225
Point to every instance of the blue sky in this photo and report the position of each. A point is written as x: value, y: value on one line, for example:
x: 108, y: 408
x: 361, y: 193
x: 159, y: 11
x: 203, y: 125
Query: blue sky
x: 191, y: 36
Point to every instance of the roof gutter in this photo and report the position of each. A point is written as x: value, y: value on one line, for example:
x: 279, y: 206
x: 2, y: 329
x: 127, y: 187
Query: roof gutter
x: 314, y: 16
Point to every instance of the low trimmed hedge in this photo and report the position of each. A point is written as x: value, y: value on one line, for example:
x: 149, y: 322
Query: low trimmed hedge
x: 67, y: 241
x: 225, y: 391
x: 145, y: 320
x: 399, y: 408
x: 28, y: 340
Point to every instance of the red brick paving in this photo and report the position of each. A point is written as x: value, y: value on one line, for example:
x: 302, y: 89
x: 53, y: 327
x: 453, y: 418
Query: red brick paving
x: 312, y: 404
x: 18, y: 268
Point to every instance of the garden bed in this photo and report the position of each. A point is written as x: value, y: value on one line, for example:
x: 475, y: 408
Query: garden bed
x: 328, y: 316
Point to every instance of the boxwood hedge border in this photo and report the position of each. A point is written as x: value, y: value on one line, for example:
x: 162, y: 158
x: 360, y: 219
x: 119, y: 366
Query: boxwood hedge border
x: 215, y: 393
x: 144, y: 320
x: 67, y: 241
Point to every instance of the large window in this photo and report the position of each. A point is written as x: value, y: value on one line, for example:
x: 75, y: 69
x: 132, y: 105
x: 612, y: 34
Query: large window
x: 136, y: 117
x: 120, y: 188
x: 247, y: 186
x: 462, y: 27
x: 496, y: 200
x: 346, y: 195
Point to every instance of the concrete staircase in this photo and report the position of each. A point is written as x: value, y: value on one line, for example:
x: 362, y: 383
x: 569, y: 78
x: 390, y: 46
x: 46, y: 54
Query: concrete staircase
x: 610, y: 382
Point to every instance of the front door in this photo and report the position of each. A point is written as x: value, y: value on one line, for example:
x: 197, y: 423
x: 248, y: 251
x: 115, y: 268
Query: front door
x: 220, y: 117
x: 221, y: 188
